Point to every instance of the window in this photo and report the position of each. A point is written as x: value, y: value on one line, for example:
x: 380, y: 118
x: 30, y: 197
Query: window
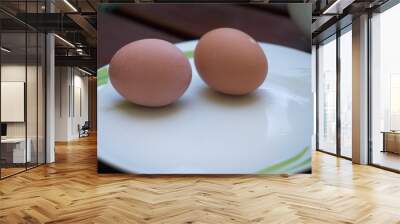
x: 385, y: 89
x: 334, y: 58
x: 327, y: 96
x: 346, y: 75
x: 22, y: 77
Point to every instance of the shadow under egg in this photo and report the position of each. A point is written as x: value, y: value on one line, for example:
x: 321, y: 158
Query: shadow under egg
x: 226, y: 100
x: 145, y: 112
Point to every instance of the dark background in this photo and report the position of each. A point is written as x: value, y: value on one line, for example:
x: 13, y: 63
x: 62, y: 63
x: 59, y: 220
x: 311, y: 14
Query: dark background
x: 120, y: 24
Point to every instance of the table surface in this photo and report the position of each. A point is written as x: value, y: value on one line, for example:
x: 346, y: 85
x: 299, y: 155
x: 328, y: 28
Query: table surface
x: 390, y: 132
x: 176, y: 23
x: 13, y: 140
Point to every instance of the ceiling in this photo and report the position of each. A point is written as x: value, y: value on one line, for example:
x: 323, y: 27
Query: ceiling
x: 329, y: 16
x: 73, y: 21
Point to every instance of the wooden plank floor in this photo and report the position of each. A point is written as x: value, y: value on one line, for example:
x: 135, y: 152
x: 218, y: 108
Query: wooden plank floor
x: 70, y: 191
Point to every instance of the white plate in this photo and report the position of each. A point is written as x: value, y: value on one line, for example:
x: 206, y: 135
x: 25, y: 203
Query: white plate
x: 268, y: 131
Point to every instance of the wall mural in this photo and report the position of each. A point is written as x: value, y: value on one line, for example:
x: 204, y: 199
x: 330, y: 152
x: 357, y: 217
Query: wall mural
x: 204, y: 89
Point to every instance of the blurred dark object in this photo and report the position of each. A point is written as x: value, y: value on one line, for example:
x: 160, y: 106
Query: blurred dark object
x: 84, y: 130
x: 121, y: 24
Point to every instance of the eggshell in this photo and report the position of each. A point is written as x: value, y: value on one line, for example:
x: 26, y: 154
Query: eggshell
x: 150, y: 72
x: 230, y: 61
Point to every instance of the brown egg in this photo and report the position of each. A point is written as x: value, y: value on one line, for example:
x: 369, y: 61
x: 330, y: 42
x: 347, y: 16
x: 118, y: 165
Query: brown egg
x: 230, y: 61
x: 150, y: 72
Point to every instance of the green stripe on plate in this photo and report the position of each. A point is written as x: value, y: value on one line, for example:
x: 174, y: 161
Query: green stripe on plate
x: 284, y: 164
x: 189, y: 54
x: 102, y: 75
x: 302, y: 165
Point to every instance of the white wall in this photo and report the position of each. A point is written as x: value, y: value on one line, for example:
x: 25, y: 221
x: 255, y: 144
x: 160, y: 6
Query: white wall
x: 33, y: 126
x: 12, y: 73
x: 71, y: 94
x: 13, y: 101
x: 9, y: 73
x: 80, y: 109
x: 61, y: 113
